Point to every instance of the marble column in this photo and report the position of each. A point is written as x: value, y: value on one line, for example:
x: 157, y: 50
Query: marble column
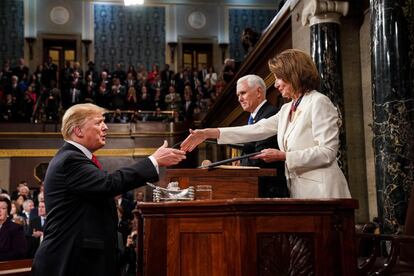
x: 393, y: 110
x: 324, y: 20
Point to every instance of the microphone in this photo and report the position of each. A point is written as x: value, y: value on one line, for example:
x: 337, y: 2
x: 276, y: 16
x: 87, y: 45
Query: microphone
x: 205, y: 163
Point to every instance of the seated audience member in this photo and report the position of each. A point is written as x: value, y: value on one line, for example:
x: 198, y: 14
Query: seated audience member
x: 52, y: 102
x: 157, y: 116
x: 12, y: 242
x: 14, y: 211
x: 128, y: 256
x: 131, y: 100
x: 118, y: 94
x: 167, y: 75
x: 89, y: 89
x: 25, y: 191
x: 139, y: 197
x: 189, y: 104
x: 132, y: 72
x: 153, y: 74
x: 28, y: 205
x: 118, y: 117
x: 19, y: 203
x: 145, y: 102
x: 21, y: 70
x: 35, y: 211
x: 123, y: 226
x: 159, y: 100
x: 130, y: 80
x: 211, y: 76
x: 18, y: 190
x: 229, y: 70
x: 173, y: 99
x: 26, y: 110
x: 119, y: 72
x: 35, y: 230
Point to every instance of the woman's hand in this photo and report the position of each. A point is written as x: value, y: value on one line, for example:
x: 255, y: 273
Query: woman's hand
x: 270, y: 155
x: 197, y: 137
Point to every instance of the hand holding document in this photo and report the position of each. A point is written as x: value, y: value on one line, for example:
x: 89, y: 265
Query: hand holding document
x: 271, y: 155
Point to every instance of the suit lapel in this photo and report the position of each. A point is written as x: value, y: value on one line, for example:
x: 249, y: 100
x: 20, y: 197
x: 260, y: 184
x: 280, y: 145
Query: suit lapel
x: 284, y: 122
x: 260, y: 112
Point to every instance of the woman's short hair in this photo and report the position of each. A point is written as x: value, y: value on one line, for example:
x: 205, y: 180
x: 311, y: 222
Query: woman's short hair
x: 5, y: 199
x: 77, y: 115
x: 297, y: 68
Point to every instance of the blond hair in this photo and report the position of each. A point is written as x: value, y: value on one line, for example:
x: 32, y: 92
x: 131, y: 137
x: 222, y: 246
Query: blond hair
x: 297, y: 68
x: 77, y: 115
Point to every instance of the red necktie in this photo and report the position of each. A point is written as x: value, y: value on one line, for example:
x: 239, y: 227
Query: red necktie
x: 96, y: 162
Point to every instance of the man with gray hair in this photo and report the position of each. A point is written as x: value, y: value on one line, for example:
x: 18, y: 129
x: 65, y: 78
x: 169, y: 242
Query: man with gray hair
x: 28, y: 205
x: 251, y: 94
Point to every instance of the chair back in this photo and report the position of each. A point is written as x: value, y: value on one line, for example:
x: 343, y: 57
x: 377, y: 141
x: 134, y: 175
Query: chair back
x: 407, y: 252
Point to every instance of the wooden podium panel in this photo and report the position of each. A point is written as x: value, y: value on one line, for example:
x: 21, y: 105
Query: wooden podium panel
x: 226, y: 183
x: 247, y: 237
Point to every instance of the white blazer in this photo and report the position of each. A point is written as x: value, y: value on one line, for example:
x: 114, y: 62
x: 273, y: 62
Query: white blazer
x: 310, y: 141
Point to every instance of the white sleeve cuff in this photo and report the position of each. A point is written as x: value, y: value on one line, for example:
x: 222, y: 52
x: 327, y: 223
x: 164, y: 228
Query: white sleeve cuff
x: 155, y: 163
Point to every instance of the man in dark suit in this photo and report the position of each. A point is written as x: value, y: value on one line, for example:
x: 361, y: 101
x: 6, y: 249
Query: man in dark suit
x: 80, y: 236
x: 21, y: 70
x: 35, y: 230
x: 251, y: 93
x: 167, y: 76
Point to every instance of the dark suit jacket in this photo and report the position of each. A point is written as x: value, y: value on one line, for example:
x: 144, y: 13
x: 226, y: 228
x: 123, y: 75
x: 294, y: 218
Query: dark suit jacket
x: 12, y: 242
x: 268, y: 186
x: 33, y: 243
x: 80, y: 236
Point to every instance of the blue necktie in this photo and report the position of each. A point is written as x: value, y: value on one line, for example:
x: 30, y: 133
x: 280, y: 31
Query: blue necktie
x: 250, y: 120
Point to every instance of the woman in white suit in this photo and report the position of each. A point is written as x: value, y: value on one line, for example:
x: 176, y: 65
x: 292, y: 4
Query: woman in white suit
x: 307, y: 130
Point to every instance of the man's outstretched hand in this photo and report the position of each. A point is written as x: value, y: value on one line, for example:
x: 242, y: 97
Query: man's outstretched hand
x: 198, y: 136
x: 168, y: 156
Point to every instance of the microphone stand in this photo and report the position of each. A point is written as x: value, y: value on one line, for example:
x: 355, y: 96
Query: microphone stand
x: 215, y: 164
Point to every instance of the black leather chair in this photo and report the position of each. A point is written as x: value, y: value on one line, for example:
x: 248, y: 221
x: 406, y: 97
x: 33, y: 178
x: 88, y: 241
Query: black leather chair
x: 400, y: 259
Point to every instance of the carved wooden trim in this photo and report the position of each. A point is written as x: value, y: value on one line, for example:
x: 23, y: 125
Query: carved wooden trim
x: 285, y: 254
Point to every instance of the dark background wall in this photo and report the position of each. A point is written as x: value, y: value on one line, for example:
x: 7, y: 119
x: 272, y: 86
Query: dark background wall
x: 130, y: 35
x: 11, y: 30
x: 239, y: 19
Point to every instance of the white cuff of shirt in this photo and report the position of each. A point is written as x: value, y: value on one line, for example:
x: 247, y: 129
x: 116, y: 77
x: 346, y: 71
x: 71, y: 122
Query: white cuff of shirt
x: 155, y: 163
